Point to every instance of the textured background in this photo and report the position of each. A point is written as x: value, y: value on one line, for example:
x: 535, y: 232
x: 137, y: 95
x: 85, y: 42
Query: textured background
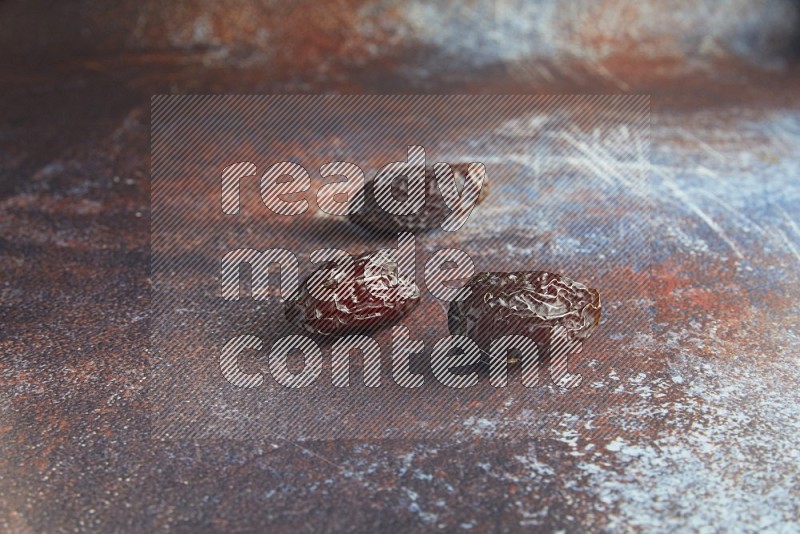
x: 707, y: 436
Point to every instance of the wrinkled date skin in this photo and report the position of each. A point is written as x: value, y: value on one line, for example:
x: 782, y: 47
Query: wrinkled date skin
x: 528, y: 303
x: 355, y: 302
x: 375, y: 219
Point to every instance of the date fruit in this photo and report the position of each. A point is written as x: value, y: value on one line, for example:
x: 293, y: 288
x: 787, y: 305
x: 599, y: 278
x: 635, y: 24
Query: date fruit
x: 529, y: 303
x: 355, y: 300
x: 375, y: 219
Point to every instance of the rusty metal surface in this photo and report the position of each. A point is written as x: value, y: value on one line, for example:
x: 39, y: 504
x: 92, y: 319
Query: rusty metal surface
x: 707, y: 420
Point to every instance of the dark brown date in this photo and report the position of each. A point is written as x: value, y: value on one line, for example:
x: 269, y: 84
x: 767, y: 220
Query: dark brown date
x: 354, y: 301
x: 375, y: 219
x: 526, y: 303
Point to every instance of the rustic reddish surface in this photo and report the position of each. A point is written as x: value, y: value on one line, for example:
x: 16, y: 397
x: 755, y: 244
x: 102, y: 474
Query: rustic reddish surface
x: 707, y: 437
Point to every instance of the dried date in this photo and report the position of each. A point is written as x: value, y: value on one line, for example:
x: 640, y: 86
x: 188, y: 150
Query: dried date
x: 529, y: 303
x: 355, y: 300
x: 375, y: 219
